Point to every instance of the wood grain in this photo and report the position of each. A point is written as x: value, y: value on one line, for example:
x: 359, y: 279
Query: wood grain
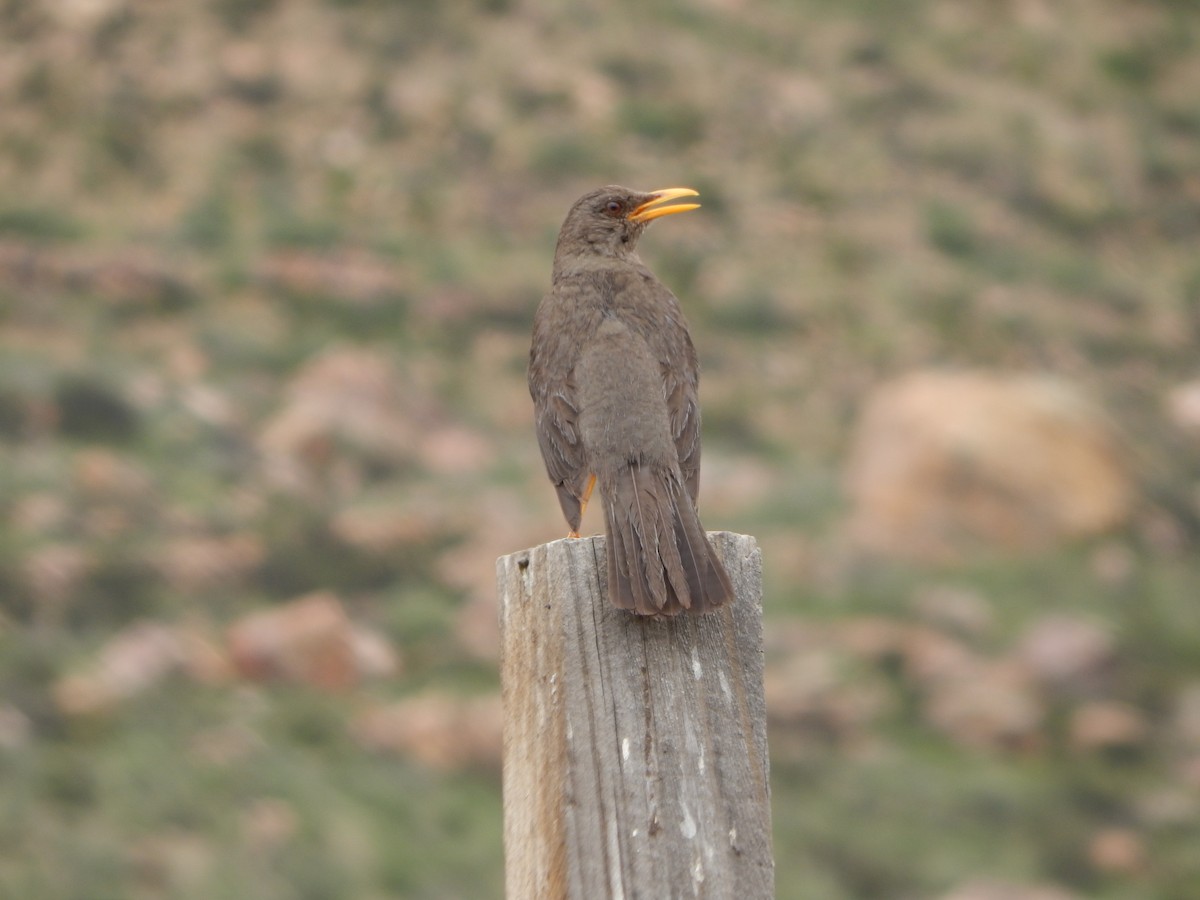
x: 635, y: 750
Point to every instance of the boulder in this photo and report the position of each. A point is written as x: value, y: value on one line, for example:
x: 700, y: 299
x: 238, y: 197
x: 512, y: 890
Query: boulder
x: 440, y: 730
x: 989, y: 707
x: 1100, y: 725
x: 1183, y: 408
x: 944, y: 464
x: 136, y: 660
x: 1069, y: 655
x: 347, y: 399
x: 308, y: 641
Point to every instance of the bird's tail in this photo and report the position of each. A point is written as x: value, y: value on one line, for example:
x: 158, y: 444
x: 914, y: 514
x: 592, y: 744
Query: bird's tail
x: 660, y: 562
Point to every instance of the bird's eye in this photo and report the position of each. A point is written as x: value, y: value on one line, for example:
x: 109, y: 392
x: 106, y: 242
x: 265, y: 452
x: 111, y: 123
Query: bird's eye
x: 613, y: 207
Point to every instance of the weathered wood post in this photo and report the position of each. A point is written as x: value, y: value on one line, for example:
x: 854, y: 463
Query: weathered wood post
x: 635, y: 751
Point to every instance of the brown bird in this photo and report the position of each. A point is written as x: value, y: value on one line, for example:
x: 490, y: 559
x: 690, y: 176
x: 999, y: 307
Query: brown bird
x: 613, y: 375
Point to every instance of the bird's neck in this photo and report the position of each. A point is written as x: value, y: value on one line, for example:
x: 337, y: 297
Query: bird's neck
x: 567, y: 264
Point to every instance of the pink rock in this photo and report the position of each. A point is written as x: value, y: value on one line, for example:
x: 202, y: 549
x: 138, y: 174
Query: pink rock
x: 946, y: 463
x: 347, y: 398
x: 442, y: 731
x: 1119, y: 851
x: 1183, y: 407
x: 956, y: 609
x: 308, y: 641
x: 1106, y: 725
x: 134, y: 661
x: 991, y: 706
x: 1070, y: 654
x: 194, y: 564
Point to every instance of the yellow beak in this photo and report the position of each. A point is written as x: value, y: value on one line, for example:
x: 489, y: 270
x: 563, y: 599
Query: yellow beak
x: 653, y: 208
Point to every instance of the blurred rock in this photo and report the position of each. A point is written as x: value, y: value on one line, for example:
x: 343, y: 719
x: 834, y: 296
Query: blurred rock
x: 496, y: 408
x: 170, y: 861
x: 946, y: 463
x: 343, y: 148
x: 81, y: 14
x: 1168, y: 806
x: 244, y: 61
x: 268, y: 824
x: 124, y: 279
x: 1113, y: 563
x: 455, y: 450
x: 376, y: 529
x: 447, y: 304
x: 792, y: 553
x: 819, y: 691
x: 101, y: 473
x: 998, y: 890
x: 477, y: 627
x: 1106, y: 725
x: 746, y: 486
x: 960, y: 610
x: 374, y: 655
x: 1162, y: 531
x: 1188, y: 772
x: 1117, y: 851
x: 198, y: 564
x: 381, y: 529
x: 347, y: 398
x: 39, y: 512
x: 874, y: 638
x: 1068, y: 654
x: 928, y: 656
x: 107, y: 521
x: 1183, y: 407
x: 227, y: 744
x: 501, y: 525
x: 347, y: 276
x: 1185, y: 720
x: 55, y: 571
x: 924, y: 655
x: 131, y: 663
x: 210, y: 405
x: 15, y: 728
x: 991, y: 706
x: 205, y: 660
x: 308, y: 641
x: 442, y: 731
x: 305, y: 641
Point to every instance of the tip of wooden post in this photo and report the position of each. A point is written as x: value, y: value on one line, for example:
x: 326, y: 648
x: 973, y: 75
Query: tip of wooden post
x: 564, y: 556
x: 717, y: 537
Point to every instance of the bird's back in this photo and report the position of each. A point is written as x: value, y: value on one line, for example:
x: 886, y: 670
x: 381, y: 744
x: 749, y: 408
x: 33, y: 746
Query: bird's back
x: 613, y: 375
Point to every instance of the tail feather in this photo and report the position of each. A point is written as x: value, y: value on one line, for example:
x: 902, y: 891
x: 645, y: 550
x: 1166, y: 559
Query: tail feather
x: 660, y: 562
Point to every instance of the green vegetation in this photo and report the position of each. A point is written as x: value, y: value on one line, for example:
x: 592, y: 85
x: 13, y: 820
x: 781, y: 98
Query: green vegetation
x: 201, y: 201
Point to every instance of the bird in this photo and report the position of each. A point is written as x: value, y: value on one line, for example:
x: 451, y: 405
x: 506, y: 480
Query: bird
x: 614, y: 377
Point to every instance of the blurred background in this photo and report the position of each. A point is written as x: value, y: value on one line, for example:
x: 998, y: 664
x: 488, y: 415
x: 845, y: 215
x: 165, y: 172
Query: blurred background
x: 267, y: 273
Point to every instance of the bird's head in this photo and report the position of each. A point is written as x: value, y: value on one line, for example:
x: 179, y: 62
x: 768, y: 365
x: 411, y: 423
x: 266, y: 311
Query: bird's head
x: 609, y: 220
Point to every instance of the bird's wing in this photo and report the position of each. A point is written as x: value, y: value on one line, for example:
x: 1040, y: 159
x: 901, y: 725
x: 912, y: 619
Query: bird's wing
x: 556, y: 417
x: 671, y: 343
x: 558, y: 436
x: 685, y: 428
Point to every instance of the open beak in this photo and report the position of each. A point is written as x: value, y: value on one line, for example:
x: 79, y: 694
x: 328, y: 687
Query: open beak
x: 653, y: 208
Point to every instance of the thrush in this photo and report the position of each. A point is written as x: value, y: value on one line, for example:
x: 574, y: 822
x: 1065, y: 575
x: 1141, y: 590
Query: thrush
x: 613, y: 374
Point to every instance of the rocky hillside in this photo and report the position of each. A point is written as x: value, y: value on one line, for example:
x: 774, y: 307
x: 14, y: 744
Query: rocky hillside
x: 267, y: 270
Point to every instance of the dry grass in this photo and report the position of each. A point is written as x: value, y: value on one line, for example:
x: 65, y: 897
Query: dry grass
x: 198, y: 200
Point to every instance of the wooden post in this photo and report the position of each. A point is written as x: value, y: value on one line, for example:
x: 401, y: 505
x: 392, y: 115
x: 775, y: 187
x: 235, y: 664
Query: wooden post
x: 635, y: 751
